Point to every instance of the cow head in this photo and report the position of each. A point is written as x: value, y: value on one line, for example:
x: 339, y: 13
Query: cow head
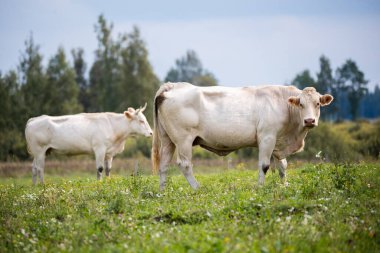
x: 137, y: 121
x: 308, y: 103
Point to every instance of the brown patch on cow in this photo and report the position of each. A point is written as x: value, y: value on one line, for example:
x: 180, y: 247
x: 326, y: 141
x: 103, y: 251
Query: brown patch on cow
x: 158, y: 102
x: 48, y: 151
x: 265, y: 168
x: 197, y: 141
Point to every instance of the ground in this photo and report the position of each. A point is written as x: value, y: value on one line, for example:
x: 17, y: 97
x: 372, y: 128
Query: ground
x: 325, y: 208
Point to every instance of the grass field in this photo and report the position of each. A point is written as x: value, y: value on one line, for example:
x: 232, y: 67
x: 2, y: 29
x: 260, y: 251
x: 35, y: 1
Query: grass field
x: 325, y: 208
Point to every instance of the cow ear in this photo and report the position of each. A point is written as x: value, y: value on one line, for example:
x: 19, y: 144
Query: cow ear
x: 129, y: 114
x: 326, y: 99
x: 294, y: 101
x: 130, y: 109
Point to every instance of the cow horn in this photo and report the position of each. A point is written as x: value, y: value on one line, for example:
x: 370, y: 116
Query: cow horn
x: 143, y: 109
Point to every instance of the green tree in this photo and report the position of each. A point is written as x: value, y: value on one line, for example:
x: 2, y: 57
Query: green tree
x: 12, y: 144
x: 80, y: 71
x: 325, y: 78
x: 304, y: 79
x: 62, y: 90
x: 325, y: 84
x: 189, y: 69
x: 105, y: 72
x: 352, y: 80
x: 138, y: 82
x: 33, y: 80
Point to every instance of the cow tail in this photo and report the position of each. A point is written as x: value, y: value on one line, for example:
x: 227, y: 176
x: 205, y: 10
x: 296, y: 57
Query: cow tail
x: 156, y: 141
x: 158, y: 100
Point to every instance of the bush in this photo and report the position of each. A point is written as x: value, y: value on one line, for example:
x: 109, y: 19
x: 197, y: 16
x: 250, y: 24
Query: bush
x: 334, y: 142
x: 12, y: 146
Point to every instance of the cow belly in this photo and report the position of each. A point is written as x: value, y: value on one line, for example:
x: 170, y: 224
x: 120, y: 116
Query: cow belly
x: 226, y: 142
x: 71, y: 144
x: 71, y: 148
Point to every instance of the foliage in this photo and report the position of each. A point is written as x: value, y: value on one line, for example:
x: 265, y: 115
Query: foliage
x: 105, y: 71
x: 33, y: 81
x: 325, y: 208
x: 138, y: 81
x: 62, y: 88
x: 352, y: 80
x: 80, y: 78
x: 303, y: 80
x: 334, y: 142
x: 189, y: 69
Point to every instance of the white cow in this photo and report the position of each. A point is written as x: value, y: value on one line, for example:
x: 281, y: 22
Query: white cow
x: 103, y: 134
x: 275, y: 119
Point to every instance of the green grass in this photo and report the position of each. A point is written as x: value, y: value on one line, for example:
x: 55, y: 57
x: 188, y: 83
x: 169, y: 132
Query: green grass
x: 326, y: 208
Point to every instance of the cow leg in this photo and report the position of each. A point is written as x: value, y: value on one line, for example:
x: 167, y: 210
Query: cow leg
x: 184, y: 162
x: 282, y: 169
x: 99, y: 157
x: 166, y: 155
x: 39, y: 164
x: 34, y: 172
x: 266, y: 147
x: 108, y: 163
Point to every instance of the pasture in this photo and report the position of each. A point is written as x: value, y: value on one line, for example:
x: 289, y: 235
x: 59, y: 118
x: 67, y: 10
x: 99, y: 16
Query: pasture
x: 325, y: 208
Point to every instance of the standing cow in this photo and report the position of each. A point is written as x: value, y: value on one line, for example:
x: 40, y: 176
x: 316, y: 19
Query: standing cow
x: 103, y: 134
x: 275, y: 119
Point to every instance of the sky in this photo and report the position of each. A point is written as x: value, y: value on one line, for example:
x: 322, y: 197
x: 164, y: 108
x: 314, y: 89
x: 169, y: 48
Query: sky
x: 242, y: 42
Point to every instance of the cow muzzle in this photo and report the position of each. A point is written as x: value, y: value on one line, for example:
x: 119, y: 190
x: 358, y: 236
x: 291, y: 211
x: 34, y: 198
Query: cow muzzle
x: 309, y: 123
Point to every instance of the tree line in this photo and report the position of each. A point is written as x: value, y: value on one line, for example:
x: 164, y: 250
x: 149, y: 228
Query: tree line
x: 121, y: 76
x: 348, y: 85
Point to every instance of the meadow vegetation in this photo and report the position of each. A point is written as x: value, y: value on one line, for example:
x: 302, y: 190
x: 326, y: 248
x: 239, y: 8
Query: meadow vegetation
x: 327, y: 207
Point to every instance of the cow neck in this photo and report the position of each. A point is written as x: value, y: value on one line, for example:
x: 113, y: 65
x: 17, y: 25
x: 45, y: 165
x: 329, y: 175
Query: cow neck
x: 120, y: 126
x: 296, y: 128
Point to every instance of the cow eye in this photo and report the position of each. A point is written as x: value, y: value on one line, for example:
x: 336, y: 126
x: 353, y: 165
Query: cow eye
x: 301, y: 105
x: 317, y: 104
x: 141, y: 121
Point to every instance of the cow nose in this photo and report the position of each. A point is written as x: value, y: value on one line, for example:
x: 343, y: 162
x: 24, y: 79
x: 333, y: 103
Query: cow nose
x: 309, y: 122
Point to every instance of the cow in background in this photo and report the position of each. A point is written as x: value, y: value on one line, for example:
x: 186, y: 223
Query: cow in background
x: 275, y: 119
x: 103, y: 134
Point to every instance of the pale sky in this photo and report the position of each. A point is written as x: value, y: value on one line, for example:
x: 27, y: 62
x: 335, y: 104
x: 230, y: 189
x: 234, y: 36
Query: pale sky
x: 240, y: 42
